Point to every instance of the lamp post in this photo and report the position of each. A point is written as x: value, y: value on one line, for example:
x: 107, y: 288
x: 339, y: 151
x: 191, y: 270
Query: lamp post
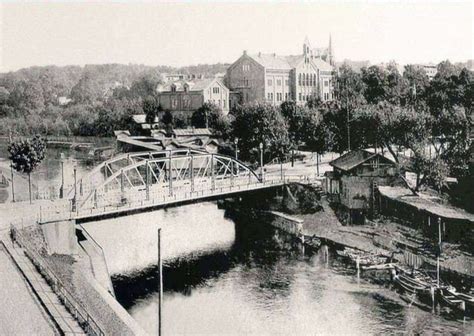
x: 261, y: 160
x: 61, y: 189
x: 236, y: 143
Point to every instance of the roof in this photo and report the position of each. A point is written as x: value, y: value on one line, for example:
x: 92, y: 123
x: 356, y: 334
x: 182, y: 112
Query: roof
x: 355, y: 158
x: 272, y: 61
x: 322, y: 65
x: 121, y: 132
x: 276, y: 62
x: 425, y: 202
x: 192, y: 132
x: 194, y: 85
x: 141, y: 118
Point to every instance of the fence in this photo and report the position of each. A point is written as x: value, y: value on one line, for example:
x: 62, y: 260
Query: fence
x: 86, y: 321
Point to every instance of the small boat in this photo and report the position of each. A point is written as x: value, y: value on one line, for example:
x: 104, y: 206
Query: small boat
x: 379, y: 267
x: 448, y: 298
x: 416, y: 283
x: 467, y: 298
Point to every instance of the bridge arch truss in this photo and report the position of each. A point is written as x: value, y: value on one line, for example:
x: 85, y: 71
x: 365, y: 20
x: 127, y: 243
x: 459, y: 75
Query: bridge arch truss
x: 142, y: 176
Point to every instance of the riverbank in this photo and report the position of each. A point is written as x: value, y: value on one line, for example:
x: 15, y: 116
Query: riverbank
x: 76, y: 275
x: 383, y: 236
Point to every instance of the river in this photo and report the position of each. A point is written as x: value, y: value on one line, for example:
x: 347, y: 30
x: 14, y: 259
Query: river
x: 234, y: 276
x: 224, y: 276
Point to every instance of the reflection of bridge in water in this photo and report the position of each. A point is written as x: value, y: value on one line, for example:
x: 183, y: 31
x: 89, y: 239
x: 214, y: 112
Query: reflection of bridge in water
x: 138, y: 181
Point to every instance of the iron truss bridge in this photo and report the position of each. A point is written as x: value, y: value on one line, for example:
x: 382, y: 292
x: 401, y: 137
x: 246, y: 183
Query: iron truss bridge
x: 137, y: 181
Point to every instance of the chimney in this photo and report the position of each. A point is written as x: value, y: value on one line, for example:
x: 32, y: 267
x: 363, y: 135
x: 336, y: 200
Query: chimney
x: 274, y: 55
x: 245, y: 52
x: 259, y: 54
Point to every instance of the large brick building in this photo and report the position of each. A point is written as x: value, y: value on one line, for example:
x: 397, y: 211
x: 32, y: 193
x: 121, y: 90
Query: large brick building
x: 188, y: 96
x: 273, y: 79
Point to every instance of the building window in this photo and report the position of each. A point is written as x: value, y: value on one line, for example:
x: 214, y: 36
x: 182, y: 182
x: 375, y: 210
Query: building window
x: 215, y: 90
x: 307, y: 80
x: 270, y: 82
x: 173, y: 88
x: 286, y: 82
x: 278, y: 82
x: 269, y: 96
x: 246, y: 67
x: 299, y: 96
x: 223, y: 103
x: 299, y: 79
x: 286, y: 95
x: 326, y: 83
x: 174, y: 103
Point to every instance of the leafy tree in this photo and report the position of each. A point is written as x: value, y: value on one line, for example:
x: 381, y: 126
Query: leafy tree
x: 168, y: 121
x: 417, y: 82
x: 211, y: 116
x: 260, y: 123
x: 151, y: 108
x: 26, y: 155
x: 374, y: 78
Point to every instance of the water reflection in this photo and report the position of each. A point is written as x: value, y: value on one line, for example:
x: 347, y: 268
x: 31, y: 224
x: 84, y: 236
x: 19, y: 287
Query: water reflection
x: 260, y: 283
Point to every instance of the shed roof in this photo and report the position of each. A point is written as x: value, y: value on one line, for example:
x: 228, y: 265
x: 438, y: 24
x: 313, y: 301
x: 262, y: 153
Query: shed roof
x: 425, y: 202
x: 141, y: 118
x: 355, y: 158
x: 192, y: 132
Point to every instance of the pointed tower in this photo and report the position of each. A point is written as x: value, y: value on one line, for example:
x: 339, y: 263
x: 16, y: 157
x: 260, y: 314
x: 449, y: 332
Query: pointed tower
x: 306, y: 46
x: 330, y: 59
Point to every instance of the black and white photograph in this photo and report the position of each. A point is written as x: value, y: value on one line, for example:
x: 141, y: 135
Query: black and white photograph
x: 236, y: 168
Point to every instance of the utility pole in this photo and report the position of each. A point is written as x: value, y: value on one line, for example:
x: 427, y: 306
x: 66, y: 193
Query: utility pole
x: 160, y: 284
x: 261, y: 160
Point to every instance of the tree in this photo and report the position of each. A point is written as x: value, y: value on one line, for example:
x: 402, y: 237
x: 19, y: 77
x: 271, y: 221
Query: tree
x: 374, y: 78
x: 168, y: 121
x: 151, y: 108
x: 416, y: 130
x: 211, y: 116
x: 417, y: 82
x: 26, y: 155
x: 260, y: 123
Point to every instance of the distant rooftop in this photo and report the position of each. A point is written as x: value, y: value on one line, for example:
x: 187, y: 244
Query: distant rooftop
x: 355, y: 158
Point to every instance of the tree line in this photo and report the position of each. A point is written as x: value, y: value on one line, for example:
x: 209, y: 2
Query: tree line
x: 96, y: 99
x: 424, y: 125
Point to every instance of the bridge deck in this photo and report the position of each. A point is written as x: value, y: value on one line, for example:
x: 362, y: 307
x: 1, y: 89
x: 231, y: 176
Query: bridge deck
x: 137, y: 202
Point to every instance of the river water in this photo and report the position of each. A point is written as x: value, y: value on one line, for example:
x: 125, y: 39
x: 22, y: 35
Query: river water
x: 224, y: 276
x: 239, y: 276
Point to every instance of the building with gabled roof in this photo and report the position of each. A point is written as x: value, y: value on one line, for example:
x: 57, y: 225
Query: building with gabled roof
x: 272, y: 78
x: 354, y: 182
x: 189, y: 95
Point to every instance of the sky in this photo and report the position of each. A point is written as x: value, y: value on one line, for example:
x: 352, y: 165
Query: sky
x: 198, y: 32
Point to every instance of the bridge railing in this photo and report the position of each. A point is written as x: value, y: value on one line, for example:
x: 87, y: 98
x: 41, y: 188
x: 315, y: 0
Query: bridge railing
x: 85, y: 320
x: 135, y: 198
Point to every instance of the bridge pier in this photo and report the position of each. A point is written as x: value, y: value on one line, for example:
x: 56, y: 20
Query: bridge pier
x: 61, y: 237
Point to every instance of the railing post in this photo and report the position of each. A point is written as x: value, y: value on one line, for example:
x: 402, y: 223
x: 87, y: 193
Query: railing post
x: 192, y: 173
x: 212, y: 172
x: 231, y: 173
x: 170, y: 176
x: 147, y: 180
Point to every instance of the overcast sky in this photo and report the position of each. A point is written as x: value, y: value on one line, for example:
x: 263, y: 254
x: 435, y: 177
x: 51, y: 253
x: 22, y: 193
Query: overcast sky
x: 201, y: 32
